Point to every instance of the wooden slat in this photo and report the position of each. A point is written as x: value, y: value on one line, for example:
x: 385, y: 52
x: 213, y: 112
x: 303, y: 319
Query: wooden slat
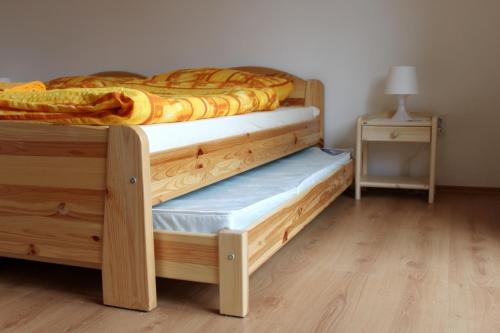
x: 61, y: 149
x: 77, y: 205
x: 62, y: 172
x: 49, y: 239
x: 188, y: 248
x: 186, y: 256
x: 32, y: 132
x: 128, y: 267
x: 193, y: 151
x: 184, y: 170
x: 187, y: 272
x: 275, y: 231
x: 233, y: 273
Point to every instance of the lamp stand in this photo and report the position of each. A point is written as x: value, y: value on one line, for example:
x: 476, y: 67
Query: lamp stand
x: 401, y: 114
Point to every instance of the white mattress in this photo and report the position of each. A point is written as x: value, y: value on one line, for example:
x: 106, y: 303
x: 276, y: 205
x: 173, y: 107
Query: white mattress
x: 175, y: 135
x: 238, y: 202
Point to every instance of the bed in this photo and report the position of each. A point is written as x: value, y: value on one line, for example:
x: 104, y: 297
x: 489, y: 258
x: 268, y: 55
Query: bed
x: 83, y: 196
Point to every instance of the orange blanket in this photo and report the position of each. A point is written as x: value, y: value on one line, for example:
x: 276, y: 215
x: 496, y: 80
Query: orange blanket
x: 176, y: 96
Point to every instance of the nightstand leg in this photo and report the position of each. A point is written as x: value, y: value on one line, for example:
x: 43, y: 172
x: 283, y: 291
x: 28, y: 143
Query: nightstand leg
x: 432, y: 171
x: 364, y: 157
x: 359, y: 157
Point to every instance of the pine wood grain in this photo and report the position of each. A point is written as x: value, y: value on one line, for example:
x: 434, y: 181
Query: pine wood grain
x: 274, y: 231
x: 75, y: 205
x: 180, y: 171
x: 63, y: 149
x: 62, y: 172
x: 192, y: 257
x: 33, y: 132
x: 128, y: 267
x: 233, y: 273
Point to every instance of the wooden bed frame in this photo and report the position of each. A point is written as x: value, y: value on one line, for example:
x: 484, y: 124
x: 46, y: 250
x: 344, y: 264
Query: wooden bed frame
x: 82, y: 196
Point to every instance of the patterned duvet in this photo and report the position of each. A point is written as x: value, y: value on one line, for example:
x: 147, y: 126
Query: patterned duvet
x: 181, y: 95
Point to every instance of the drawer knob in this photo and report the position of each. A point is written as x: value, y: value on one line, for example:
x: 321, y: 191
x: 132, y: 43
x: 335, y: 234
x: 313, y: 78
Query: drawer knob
x: 394, y: 135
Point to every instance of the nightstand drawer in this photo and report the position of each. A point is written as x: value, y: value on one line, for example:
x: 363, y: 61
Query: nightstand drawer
x: 396, y: 133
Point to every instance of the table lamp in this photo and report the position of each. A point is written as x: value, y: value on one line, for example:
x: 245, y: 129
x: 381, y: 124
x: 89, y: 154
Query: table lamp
x: 402, y: 82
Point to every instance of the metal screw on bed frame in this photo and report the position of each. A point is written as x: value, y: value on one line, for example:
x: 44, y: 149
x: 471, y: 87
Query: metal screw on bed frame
x: 231, y: 256
x: 133, y: 180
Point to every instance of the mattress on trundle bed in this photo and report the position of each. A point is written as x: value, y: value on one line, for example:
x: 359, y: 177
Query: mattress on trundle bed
x: 240, y: 201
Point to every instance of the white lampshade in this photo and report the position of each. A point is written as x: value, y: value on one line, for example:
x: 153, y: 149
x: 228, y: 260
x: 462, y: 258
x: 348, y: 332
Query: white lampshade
x: 402, y: 80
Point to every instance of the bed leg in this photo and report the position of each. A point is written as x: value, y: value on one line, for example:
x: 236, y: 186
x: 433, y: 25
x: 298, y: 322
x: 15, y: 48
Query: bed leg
x: 128, y: 263
x: 233, y: 273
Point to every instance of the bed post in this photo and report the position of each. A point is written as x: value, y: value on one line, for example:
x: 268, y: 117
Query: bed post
x: 233, y: 273
x: 315, y: 96
x: 128, y: 266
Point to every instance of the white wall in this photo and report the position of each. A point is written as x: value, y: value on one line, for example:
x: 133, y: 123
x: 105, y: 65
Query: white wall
x: 348, y: 44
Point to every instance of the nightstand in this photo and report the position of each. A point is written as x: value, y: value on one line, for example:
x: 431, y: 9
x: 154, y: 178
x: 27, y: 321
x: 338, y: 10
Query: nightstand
x: 379, y: 127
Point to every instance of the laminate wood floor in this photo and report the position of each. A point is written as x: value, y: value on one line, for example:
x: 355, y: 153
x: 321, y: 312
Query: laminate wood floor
x: 389, y: 263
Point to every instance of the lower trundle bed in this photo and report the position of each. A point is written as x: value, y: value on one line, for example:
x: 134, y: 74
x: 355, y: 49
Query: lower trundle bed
x: 121, y: 199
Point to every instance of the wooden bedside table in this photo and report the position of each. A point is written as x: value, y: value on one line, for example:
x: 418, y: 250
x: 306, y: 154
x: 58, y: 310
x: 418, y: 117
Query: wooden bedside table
x: 379, y: 127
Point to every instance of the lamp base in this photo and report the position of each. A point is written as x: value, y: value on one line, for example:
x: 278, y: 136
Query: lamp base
x: 401, y: 114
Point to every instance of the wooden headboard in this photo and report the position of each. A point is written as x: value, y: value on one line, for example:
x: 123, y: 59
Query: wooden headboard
x: 305, y: 92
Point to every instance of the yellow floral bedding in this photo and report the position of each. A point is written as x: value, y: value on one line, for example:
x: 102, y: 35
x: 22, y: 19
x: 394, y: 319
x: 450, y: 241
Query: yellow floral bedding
x: 182, y: 95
